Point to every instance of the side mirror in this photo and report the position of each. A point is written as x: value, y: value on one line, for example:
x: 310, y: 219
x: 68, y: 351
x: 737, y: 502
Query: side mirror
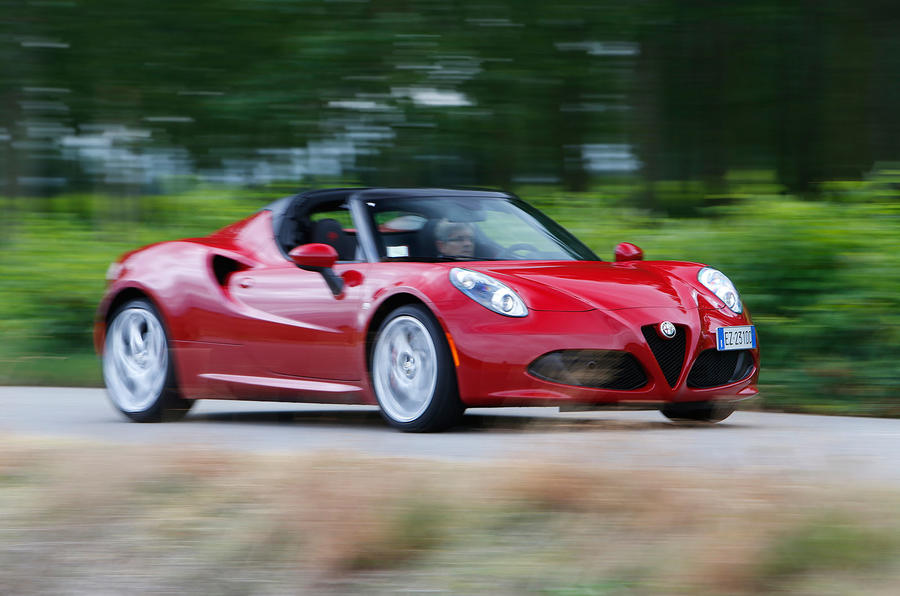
x: 626, y: 251
x: 314, y: 256
x: 321, y: 258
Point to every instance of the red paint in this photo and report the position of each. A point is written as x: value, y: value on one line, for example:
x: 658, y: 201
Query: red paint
x: 626, y: 251
x: 274, y: 331
x: 314, y: 255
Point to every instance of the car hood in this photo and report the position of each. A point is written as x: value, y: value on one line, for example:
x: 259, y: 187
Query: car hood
x: 588, y: 285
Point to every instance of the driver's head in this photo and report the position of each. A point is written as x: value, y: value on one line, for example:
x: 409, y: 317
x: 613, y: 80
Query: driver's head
x: 455, y: 239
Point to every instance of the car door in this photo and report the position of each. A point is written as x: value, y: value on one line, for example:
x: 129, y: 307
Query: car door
x: 296, y: 326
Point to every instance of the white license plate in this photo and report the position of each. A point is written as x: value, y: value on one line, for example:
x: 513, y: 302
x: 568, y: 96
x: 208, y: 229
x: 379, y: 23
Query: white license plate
x: 735, y: 338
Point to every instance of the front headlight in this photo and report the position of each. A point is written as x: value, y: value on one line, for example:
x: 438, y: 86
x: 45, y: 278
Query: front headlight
x: 488, y: 292
x: 721, y: 286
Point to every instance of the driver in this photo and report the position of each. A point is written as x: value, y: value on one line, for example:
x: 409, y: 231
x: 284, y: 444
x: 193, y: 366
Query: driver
x: 454, y: 239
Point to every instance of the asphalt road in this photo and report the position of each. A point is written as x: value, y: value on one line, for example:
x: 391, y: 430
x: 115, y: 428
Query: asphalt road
x: 805, y: 449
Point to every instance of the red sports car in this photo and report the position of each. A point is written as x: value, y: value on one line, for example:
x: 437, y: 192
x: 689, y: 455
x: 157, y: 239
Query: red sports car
x: 424, y: 302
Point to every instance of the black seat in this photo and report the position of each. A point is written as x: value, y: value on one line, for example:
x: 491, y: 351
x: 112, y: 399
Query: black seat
x: 329, y: 231
x: 426, y: 240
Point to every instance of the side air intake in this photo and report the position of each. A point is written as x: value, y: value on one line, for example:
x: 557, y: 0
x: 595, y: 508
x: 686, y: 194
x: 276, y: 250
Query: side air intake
x: 713, y: 368
x: 223, y: 267
x: 598, y: 369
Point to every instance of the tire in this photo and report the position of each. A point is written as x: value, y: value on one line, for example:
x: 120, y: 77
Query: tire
x: 412, y: 372
x: 703, y: 411
x: 137, y: 365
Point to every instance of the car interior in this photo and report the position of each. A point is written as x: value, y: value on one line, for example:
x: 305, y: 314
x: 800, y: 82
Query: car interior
x: 321, y: 224
x: 402, y: 235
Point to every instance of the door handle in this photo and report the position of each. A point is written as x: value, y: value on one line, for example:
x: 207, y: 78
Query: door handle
x: 246, y: 282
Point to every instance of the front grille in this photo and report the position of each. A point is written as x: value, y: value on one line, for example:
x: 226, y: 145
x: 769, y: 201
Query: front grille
x: 669, y: 353
x: 598, y: 369
x: 713, y: 368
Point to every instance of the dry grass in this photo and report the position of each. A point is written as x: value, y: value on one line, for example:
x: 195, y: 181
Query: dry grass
x: 78, y: 519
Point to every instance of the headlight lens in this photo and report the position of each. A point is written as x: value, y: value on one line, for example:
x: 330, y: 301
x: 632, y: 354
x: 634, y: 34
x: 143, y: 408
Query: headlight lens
x: 722, y: 287
x: 488, y: 292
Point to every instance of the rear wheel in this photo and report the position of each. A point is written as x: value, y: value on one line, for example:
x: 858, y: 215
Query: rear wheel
x: 704, y: 411
x: 137, y: 366
x: 412, y: 372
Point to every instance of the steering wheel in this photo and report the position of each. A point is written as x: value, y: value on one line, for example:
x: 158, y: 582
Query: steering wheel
x: 527, y: 251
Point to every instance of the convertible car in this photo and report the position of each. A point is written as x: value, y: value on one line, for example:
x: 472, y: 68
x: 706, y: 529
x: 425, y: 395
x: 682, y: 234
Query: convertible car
x: 424, y: 302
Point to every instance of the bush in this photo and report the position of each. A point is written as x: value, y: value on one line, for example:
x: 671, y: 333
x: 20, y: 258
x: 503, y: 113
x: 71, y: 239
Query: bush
x: 822, y: 279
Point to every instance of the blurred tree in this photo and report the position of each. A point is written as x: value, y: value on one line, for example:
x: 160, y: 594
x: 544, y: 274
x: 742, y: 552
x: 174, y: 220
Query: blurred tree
x: 127, y: 95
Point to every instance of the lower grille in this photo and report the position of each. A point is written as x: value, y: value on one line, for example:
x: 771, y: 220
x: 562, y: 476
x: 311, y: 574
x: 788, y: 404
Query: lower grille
x: 669, y: 353
x: 713, y: 368
x: 598, y: 369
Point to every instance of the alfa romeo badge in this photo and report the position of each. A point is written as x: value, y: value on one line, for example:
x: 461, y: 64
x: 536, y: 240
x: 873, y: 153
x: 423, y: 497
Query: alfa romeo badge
x: 667, y: 329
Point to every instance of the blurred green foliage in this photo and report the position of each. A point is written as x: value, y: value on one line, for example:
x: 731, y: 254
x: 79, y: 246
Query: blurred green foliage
x: 824, y: 543
x: 128, y: 95
x: 53, y: 257
x: 821, y: 279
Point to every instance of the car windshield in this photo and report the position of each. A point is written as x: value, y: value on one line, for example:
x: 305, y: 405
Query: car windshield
x: 469, y: 229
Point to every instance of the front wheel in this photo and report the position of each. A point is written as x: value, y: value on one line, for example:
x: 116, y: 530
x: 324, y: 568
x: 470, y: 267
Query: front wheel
x: 412, y: 372
x: 137, y: 366
x: 704, y: 411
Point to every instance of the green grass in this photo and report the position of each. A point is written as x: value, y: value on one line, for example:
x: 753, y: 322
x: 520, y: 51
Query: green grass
x: 79, y: 369
x: 827, y: 544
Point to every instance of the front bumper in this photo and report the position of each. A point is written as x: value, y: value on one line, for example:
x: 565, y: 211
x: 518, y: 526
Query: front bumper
x: 495, y: 353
